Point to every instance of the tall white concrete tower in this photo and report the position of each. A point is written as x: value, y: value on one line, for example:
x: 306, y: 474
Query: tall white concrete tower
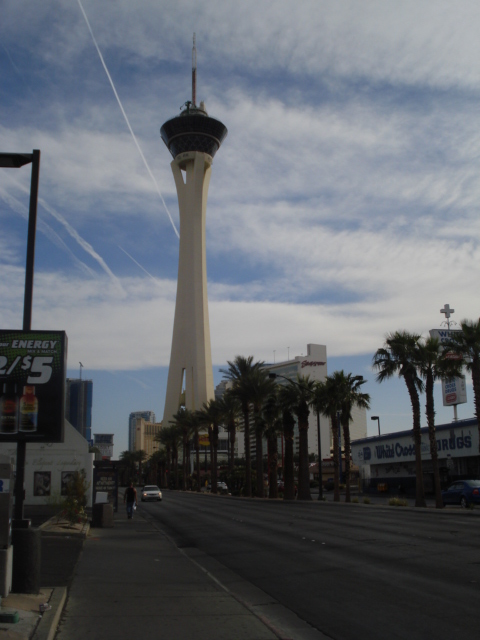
x: 193, y: 138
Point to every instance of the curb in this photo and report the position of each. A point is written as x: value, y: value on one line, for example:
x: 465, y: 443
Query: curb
x: 48, y: 624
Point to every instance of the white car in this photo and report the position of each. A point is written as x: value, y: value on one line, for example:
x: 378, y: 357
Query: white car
x: 221, y: 487
x: 150, y: 492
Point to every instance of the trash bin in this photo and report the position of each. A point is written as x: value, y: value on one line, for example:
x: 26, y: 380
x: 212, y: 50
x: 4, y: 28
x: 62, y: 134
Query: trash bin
x: 102, y: 511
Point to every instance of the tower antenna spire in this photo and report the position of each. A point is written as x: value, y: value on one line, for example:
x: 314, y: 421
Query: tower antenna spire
x: 194, y: 73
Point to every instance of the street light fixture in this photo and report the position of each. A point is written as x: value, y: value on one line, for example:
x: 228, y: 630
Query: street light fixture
x: 377, y: 418
x: 320, y: 487
x: 26, y: 541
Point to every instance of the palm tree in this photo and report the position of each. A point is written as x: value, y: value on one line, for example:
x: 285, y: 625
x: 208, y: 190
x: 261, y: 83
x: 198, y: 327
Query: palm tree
x: 300, y: 397
x: 327, y: 400
x: 351, y: 396
x: 140, y: 456
x: 230, y: 410
x: 211, y: 415
x: 434, y: 365
x: 400, y: 356
x: 261, y: 388
x: 128, y: 465
x: 183, y: 421
x: 156, y: 468
x: 273, y: 425
x: 170, y: 437
x: 240, y: 372
x: 466, y: 343
x: 286, y: 397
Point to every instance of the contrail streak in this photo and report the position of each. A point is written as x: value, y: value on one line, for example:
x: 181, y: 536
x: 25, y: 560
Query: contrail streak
x: 86, y: 246
x: 44, y: 228
x: 137, y: 263
x: 126, y: 119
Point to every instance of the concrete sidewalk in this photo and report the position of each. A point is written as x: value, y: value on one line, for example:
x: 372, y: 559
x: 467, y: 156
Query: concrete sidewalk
x: 132, y: 582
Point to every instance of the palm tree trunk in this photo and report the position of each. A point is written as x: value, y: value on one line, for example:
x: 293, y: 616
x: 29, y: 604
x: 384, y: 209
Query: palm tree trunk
x: 346, y: 441
x: 430, y: 411
x: 272, y: 466
x: 417, y: 438
x: 248, y: 462
x: 476, y: 392
x: 288, y: 427
x: 259, y: 463
x: 184, y: 478
x: 303, y: 475
x: 336, y: 458
x: 214, y: 458
x: 175, y: 463
x: 197, y: 459
x: 232, y: 446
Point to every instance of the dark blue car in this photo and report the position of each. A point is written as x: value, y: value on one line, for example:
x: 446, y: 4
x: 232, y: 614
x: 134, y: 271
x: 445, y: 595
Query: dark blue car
x: 462, y: 492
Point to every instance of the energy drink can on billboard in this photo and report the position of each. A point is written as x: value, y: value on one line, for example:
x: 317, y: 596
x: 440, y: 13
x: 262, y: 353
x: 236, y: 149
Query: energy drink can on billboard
x: 28, y: 416
x: 9, y: 408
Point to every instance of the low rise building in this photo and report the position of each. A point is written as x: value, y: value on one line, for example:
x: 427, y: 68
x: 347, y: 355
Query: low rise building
x: 387, y: 462
x: 50, y: 466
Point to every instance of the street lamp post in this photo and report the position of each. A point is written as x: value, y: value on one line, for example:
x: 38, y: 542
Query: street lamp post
x: 15, y: 161
x: 26, y: 541
x: 377, y: 418
x: 320, y: 488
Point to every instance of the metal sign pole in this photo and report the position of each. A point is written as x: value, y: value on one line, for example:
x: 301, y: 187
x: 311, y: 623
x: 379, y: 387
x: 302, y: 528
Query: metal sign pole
x: 19, y: 522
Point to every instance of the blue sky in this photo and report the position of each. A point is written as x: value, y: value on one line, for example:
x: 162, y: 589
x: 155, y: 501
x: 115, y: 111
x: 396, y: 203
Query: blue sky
x: 343, y: 204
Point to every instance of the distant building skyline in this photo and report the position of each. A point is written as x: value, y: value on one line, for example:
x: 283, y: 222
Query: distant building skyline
x: 78, y: 405
x: 148, y: 416
x: 145, y: 434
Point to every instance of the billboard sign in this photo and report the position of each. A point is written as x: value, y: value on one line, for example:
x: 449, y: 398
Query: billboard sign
x: 454, y: 391
x: 32, y: 385
x: 443, y: 336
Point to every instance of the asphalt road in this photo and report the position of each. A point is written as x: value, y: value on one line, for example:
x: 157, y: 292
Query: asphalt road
x: 350, y: 571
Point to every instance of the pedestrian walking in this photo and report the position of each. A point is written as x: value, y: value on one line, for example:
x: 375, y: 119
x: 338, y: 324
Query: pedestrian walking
x: 130, y: 499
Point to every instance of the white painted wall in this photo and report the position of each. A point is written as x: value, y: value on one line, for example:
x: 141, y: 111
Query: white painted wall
x: 70, y: 455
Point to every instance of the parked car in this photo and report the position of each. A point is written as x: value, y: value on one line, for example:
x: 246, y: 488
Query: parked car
x: 150, y: 492
x: 462, y: 492
x: 221, y: 487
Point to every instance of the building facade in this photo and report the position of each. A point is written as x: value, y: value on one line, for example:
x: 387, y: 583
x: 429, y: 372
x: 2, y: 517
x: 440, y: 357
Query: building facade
x: 387, y: 462
x: 50, y: 466
x: 78, y: 405
x: 145, y: 434
x: 148, y: 416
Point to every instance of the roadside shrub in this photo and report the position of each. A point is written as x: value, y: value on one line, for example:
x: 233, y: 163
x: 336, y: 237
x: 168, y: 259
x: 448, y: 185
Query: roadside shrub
x: 355, y: 500
x: 77, y: 488
x: 366, y: 500
x: 73, y: 507
x: 397, y: 502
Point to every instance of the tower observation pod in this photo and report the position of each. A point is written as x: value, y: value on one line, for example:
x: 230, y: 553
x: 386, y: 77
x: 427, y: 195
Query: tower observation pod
x: 193, y: 138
